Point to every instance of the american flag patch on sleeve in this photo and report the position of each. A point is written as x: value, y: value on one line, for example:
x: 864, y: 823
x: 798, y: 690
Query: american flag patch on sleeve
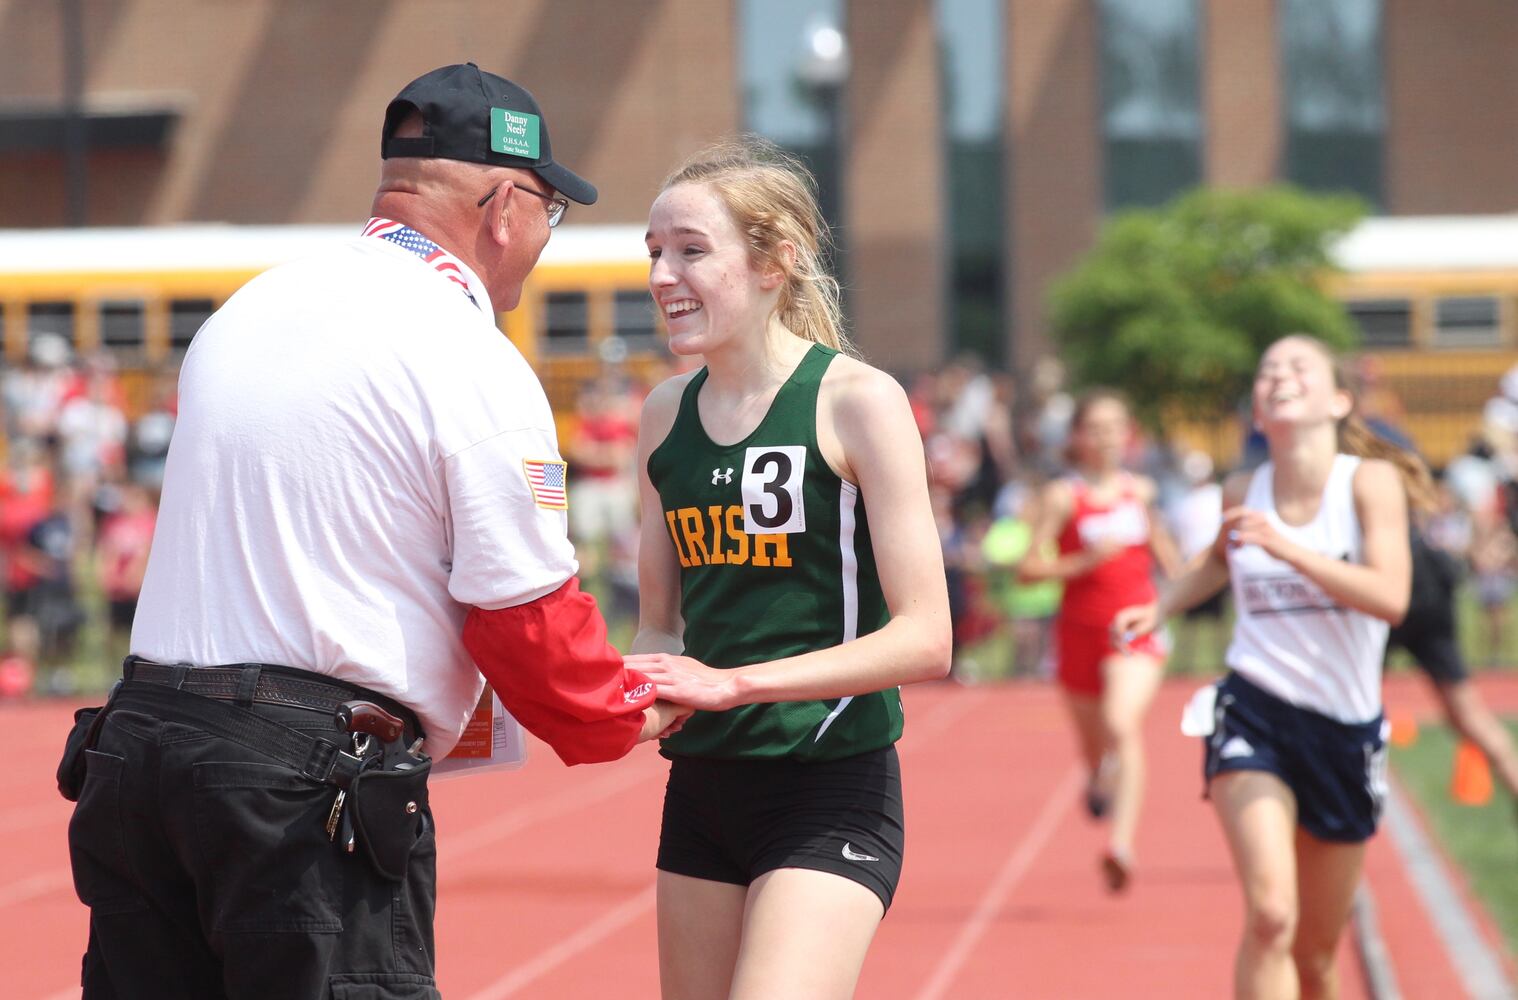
x: 548, y: 481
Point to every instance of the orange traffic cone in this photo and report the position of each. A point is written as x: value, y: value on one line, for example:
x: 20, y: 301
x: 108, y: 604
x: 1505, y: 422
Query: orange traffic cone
x: 1471, y: 784
x: 1404, y: 729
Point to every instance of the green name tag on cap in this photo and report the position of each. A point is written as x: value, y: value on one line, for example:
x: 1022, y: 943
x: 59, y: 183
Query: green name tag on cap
x: 514, y: 133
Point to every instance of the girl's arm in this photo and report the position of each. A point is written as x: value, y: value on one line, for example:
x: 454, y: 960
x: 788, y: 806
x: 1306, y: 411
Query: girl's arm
x: 660, y: 628
x: 1203, y: 576
x: 1055, y: 504
x: 866, y: 431
x: 1382, y: 585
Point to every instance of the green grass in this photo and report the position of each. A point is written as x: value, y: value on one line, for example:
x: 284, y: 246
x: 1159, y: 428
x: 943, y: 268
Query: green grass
x: 1482, y: 840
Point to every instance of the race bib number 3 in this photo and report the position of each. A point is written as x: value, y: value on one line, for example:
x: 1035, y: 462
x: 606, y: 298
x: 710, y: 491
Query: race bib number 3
x: 772, y: 490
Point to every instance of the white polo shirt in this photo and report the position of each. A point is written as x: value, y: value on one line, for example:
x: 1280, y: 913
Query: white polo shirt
x: 348, y: 476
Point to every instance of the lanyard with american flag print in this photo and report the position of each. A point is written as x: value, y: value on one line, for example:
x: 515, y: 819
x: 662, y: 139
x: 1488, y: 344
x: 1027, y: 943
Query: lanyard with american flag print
x: 404, y: 236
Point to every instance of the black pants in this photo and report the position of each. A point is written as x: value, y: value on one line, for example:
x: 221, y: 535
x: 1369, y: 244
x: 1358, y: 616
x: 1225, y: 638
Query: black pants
x: 209, y: 873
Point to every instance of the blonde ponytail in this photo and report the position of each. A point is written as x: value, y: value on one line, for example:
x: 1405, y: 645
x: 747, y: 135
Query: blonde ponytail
x: 773, y: 200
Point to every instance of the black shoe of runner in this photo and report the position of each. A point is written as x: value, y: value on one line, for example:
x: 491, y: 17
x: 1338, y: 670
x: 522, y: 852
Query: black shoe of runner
x: 1096, y: 802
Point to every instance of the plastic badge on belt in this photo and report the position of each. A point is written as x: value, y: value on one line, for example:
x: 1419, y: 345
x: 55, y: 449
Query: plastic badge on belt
x: 492, y: 741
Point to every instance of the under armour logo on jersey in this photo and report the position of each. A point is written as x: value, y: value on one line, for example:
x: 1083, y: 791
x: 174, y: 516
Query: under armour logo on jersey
x: 719, y: 476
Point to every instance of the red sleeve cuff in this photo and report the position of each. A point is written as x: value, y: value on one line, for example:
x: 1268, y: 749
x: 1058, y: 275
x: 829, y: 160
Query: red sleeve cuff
x: 555, y: 672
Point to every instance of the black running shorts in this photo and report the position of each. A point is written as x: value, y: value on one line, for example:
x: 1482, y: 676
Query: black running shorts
x: 1428, y: 633
x: 733, y: 820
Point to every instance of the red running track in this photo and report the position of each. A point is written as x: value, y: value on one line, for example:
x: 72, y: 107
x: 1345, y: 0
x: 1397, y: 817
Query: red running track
x: 546, y: 874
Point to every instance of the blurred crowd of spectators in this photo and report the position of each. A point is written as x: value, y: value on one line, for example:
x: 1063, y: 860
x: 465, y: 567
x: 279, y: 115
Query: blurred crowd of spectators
x: 82, y: 470
x: 991, y: 442
x: 78, y: 499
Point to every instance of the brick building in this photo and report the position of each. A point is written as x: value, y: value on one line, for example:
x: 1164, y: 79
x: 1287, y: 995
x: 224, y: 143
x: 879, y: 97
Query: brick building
x: 969, y: 148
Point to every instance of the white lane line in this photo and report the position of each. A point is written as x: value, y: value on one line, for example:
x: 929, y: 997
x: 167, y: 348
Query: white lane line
x: 1380, y: 974
x: 942, y: 716
x: 36, y: 886
x: 40, y: 814
x: 1480, y: 970
x: 995, y: 896
x: 476, y: 838
x: 611, y: 922
x: 617, y: 780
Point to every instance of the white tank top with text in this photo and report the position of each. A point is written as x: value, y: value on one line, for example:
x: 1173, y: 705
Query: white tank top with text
x: 1290, y: 637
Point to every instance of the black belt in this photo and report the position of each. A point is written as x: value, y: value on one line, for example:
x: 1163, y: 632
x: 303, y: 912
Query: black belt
x: 315, y: 757
x: 265, y: 684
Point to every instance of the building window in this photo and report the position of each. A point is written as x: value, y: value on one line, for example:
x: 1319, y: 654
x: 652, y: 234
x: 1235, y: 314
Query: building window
x: 793, y: 61
x: 186, y: 317
x: 1151, y: 102
x: 1335, y: 110
x: 121, y: 326
x: 971, y: 60
x: 567, y: 322
x: 1467, y: 321
x: 51, y: 318
x: 634, y: 322
x: 1383, y: 322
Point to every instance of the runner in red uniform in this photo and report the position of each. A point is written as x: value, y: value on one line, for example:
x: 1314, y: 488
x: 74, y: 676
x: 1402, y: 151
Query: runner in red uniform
x: 1109, y: 536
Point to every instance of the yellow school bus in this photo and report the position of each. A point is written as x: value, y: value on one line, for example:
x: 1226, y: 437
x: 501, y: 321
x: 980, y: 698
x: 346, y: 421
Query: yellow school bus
x: 1436, y: 300
x: 141, y: 295
x: 1435, y: 297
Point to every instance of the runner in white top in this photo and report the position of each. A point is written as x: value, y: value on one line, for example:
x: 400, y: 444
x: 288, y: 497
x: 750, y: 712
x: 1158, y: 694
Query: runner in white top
x: 1316, y: 545
x: 1287, y: 628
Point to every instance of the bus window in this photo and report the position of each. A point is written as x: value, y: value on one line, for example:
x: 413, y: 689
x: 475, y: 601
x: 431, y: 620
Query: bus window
x: 1383, y: 322
x: 566, y: 323
x: 185, y: 319
x: 121, y: 327
x: 1467, y: 321
x: 633, y: 315
x: 51, y: 317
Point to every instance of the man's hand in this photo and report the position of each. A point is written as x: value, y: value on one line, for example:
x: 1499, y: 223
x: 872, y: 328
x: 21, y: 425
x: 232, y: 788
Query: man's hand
x: 663, y: 718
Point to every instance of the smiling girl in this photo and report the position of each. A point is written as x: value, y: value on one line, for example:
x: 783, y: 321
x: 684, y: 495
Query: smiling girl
x: 789, y: 552
x: 1315, y: 543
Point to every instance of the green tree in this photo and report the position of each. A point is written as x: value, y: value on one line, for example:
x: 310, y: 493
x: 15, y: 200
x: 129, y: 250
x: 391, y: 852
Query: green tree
x: 1174, y: 305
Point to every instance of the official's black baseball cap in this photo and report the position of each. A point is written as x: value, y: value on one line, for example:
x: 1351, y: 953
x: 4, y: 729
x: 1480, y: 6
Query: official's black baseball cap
x: 479, y: 117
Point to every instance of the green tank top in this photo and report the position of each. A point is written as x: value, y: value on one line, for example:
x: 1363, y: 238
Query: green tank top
x: 775, y: 560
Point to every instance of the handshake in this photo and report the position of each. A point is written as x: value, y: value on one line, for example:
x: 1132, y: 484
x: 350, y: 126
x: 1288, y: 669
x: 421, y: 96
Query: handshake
x: 663, y: 718
x: 684, y: 685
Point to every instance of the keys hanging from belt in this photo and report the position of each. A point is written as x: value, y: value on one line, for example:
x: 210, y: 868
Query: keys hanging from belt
x: 338, y: 817
x: 337, y: 810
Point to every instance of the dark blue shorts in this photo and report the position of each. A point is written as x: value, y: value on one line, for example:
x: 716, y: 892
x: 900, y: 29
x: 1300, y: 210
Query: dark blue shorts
x: 1336, y: 770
